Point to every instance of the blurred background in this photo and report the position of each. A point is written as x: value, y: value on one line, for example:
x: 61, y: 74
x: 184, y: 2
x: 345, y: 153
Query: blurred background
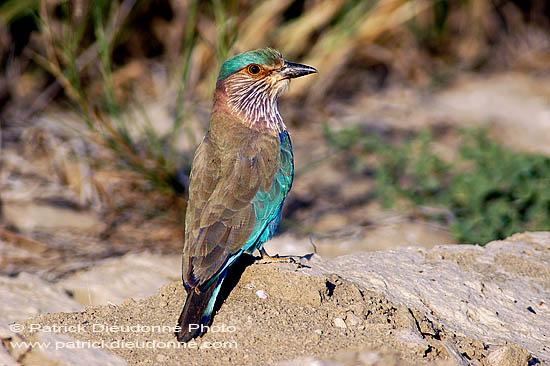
x: 428, y: 123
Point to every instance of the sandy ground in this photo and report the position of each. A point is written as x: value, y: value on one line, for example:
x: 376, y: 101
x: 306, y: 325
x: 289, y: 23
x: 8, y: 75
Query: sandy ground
x: 261, y: 321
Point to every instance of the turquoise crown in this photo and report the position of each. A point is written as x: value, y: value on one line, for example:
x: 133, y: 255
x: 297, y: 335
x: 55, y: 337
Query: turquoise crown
x: 262, y: 56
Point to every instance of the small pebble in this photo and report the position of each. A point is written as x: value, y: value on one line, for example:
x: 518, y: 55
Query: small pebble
x: 339, y: 322
x: 352, y: 320
x: 261, y: 294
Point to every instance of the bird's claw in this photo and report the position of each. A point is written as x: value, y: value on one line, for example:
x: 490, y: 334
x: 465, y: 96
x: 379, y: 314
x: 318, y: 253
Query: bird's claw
x: 267, y: 259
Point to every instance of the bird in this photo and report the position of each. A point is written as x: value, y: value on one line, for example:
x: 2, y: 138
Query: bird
x: 242, y: 171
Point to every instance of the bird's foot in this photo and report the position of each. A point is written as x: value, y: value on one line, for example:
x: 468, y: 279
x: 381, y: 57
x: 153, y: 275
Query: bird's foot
x: 266, y: 259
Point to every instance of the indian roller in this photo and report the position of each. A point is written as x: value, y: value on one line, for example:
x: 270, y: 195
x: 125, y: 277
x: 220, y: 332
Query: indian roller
x: 241, y: 174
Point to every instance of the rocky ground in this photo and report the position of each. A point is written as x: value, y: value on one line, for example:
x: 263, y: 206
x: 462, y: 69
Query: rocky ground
x: 449, y: 305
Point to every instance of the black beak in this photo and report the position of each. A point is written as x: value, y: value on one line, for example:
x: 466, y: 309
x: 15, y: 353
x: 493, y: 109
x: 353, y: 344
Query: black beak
x: 293, y: 70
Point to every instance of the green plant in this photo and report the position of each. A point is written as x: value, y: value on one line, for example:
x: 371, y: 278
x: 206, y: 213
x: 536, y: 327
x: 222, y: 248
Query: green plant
x: 503, y: 192
x: 487, y: 193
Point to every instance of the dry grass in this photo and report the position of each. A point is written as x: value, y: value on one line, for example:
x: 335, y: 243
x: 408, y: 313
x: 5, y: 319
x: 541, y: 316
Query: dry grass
x: 325, y: 33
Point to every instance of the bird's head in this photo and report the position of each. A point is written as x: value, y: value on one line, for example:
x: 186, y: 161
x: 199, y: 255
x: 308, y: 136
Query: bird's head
x: 252, y: 82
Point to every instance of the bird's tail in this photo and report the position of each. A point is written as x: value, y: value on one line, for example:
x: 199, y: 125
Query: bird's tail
x: 197, y: 311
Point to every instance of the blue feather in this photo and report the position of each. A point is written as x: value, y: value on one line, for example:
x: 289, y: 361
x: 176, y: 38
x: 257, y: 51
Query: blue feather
x: 268, y: 206
x: 208, y: 312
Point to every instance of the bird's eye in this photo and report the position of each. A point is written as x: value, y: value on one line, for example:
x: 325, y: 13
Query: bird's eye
x: 254, y: 69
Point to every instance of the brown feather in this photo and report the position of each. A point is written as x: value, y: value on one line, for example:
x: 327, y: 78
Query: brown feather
x: 230, y: 166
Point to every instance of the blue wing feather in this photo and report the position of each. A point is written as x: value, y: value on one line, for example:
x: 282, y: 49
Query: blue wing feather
x: 268, y: 206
